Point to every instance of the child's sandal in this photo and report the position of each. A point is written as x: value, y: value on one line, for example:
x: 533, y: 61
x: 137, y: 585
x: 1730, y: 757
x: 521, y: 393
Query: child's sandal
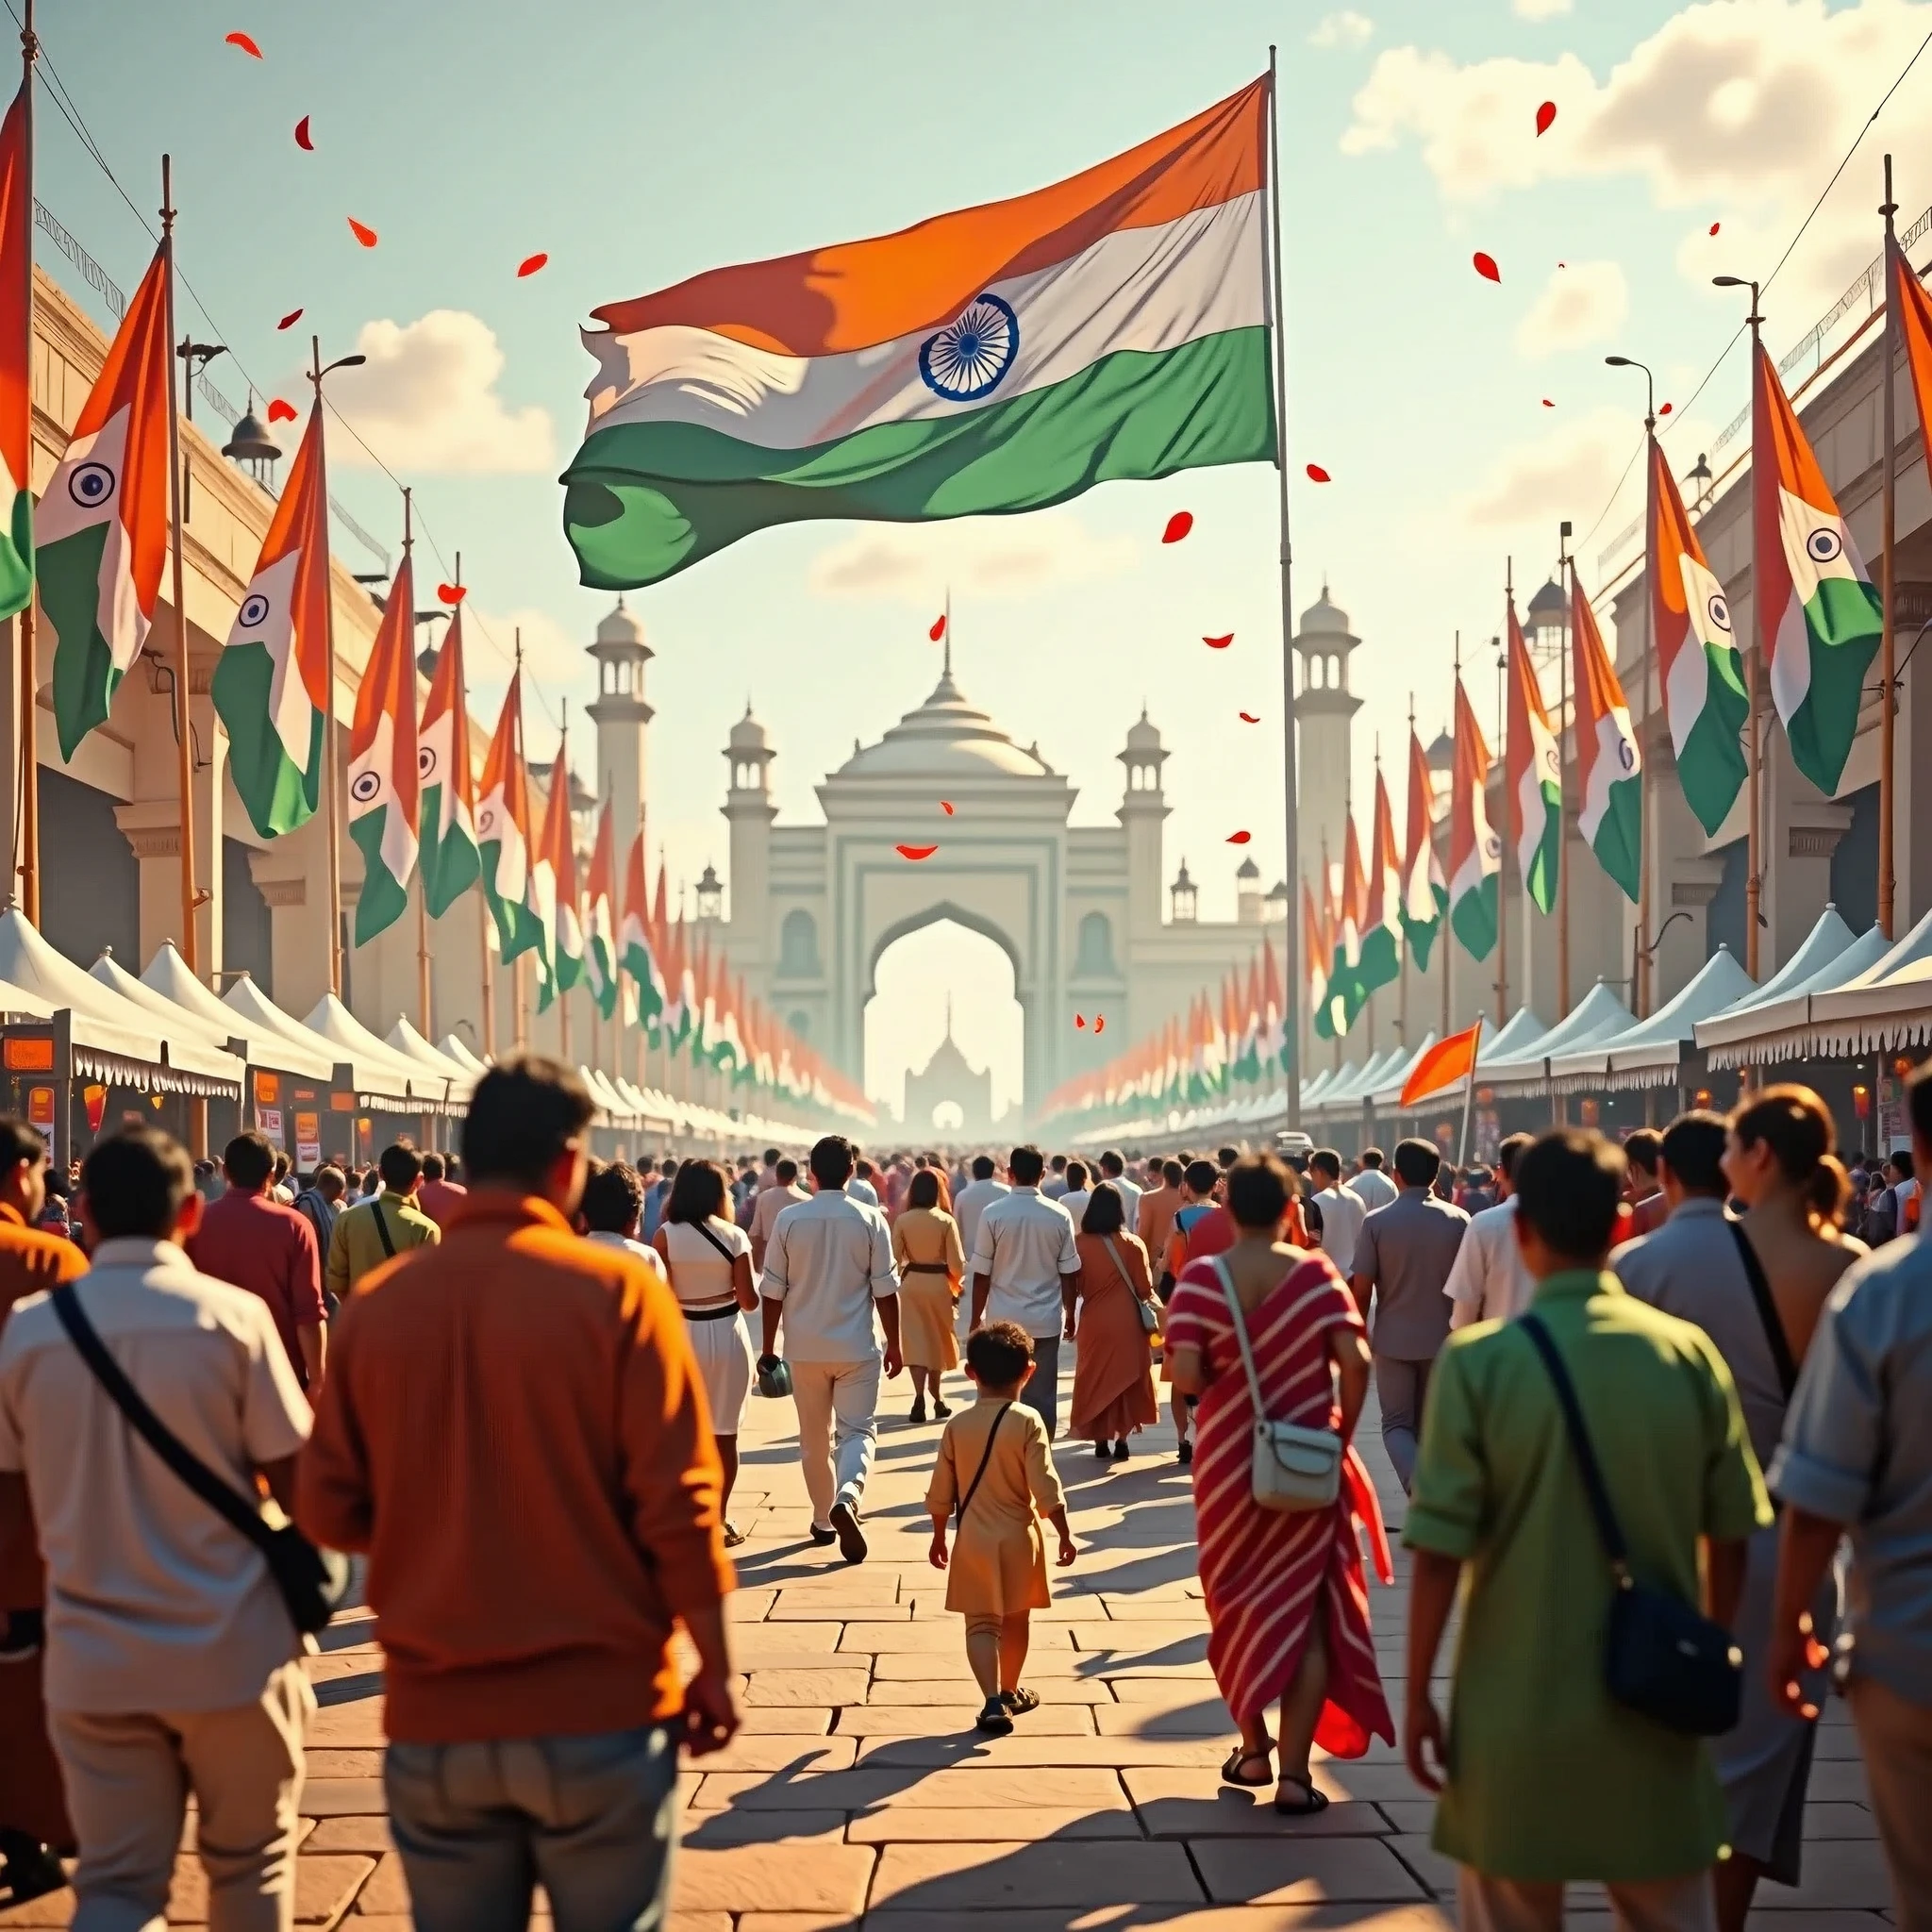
x: 993, y: 1719
x: 1019, y: 1701
x: 1239, y: 1760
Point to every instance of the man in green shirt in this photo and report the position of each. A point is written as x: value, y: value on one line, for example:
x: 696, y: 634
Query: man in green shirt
x: 381, y: 1227
x: 1545, y: 1778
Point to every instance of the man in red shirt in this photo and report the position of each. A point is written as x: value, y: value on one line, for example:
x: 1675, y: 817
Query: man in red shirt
x: 439, y: 1195
x: 254, y: 1242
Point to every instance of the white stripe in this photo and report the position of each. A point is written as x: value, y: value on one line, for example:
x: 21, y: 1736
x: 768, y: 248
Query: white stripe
x: 289, y: 713
x: 1616, y: 759
x: 1687, y: 684
x: 496, y: 826
x: 119, y: 616
x: 1144, y: 289
x: 397, y: 847
x: 59, y: 513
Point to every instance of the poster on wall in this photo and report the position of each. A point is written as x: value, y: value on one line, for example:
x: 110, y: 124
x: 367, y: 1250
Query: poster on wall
x: 308, y: 1142
x: 268, y: 1119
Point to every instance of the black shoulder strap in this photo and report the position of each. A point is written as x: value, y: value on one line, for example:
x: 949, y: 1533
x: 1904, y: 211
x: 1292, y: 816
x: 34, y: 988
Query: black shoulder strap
x: 1607, y: 1525
x: 704, y: 1230
x: 382, y: 1233
x: 1767, y: 1311
x: 985, y: 1457
x: 220, y: 1496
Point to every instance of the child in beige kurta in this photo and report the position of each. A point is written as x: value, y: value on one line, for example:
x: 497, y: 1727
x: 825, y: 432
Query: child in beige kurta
x: 995, y: 1477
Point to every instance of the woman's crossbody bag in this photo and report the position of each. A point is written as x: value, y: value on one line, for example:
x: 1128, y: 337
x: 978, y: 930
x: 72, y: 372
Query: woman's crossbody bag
x: 1294, y: 1468
x: 1148, y: 1312
x: 1662, y: 1657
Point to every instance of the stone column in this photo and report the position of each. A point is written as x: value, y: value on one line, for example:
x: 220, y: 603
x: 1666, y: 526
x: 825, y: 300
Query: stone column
x: 1683, y: 878
x: 1802, y: 829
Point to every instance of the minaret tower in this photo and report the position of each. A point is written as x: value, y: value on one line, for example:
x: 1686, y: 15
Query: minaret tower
x: 1325, y: 708
x: 749, y: 812
x: 1142, y: 812
x: 621, y: 714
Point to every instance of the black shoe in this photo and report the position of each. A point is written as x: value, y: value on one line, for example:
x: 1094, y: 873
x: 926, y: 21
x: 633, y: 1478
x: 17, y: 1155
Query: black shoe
x: 852, y: 1544
x: 1100, y: 1449
x: 940, y: 1410
x: 1120, y: 1449
x: 1185, y: 1454
x: 822, y: 1537
x: 918, y: 1413
x: 32, y: 1870
x: 994, y: 1719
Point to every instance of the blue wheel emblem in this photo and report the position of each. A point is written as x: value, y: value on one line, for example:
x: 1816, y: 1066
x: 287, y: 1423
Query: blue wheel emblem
x: 968, y: 358
x: 90, y: 485
x: 254, y: 612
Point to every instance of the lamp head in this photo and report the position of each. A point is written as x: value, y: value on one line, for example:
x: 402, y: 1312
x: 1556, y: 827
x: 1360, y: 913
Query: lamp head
x: 1727, y: 282
x: 1619, y: 362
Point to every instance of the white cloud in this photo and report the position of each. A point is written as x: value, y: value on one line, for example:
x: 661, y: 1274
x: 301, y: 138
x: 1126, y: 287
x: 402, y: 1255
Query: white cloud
x: 992, y: 556
x: 427, y: 401
x: 1541, y: 9
x: 1347, y: 29
x: 1568, y: 472
x: 1582, y: 303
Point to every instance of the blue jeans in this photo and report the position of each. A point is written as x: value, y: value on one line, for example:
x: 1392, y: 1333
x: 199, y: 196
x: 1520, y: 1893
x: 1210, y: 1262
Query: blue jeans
x: 591, y: 1819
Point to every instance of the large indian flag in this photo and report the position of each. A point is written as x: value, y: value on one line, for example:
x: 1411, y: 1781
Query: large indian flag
x: 1382, y: 960
x: 1007, y: 356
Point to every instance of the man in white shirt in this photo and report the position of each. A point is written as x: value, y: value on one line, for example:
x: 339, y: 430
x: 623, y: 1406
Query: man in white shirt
x: 860, y: 1185
x: 612, y: 1211
x: 1342, y: 1210
x: 1487, y: 1281
x: 1112, y: 1168
x: 828, y: 1266
x: 973, y: 1200
x: 1369, y: 1184
x: 772, y: 1203
x: 1079, y: 1192
x: 171, y: 1662
x: 1023, y: 1264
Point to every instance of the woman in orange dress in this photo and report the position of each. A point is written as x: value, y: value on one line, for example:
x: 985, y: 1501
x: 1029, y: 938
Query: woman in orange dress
x: 932, y: 1270
x: 1113, y: 1375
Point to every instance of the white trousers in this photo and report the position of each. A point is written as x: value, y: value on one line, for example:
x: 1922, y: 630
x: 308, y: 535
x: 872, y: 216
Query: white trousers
x: 838, y: 1429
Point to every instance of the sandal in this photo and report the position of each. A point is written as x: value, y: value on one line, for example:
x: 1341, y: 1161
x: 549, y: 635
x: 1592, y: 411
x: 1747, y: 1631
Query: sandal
x: 993, y: 1720
x: 1238, y: 1760
x: 1020, y: 1700
x: 733, y: 1535
x: 1314, y: 1801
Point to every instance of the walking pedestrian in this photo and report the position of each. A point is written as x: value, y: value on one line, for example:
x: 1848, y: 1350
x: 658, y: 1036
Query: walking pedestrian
x: 829, y: 1278
x: 1487, y: 1281
x: 440, y: 1192
x: 379, y: 1227
x: 1855, y: 1461
x: 173, y: 1667
x: 251, y: 1240
x: 1112, y: 1305
x: 1054, y: 1184
x: 1112, y: 1168
x: 1369, y: 1182
x: 1643, y: 1191
x: 1288, y: 1607
x: 514, y: 1429
x: 1078, y: 1191
x: 707, y: 1257
x: 1402, y: 1261
x: 657, y: 1194
x: 972, y: 1200
x: 932, y: 1269
x: 1341, y: 1210
x: 771, y: 1203
x: 996, y: 1472
x: 612, y: 1210
x: 1637, y: 1806
x: 1022, y: 1256
x: 320, y: 1203
x: 1158, y: 1205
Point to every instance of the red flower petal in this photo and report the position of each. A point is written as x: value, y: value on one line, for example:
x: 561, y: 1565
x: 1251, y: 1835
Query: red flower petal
x: 1317, y: 474
x: 1080, y: 1019
x: 303, y: 139
x: 1714, y: 226
x: 1238, y: 838
x: 1218, y: 643
x: 939, y: 627
x: 1665, y: 410
x: 246, y: 41
x: 1100, y: 1023
x: 452, y: 593
x: 946, y: 806
x: 915, y: 852
x: 1178, y: 525
x: 531, y: 263
x: 1249, y: 718
x: 1547, y: 404
x: 1545, y: 115
x: 363, y: 232
x: 290, y: 319
x: 1486, y: 267
x: 279, y: 411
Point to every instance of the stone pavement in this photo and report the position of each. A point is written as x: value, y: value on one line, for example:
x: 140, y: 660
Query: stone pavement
x: 859, y: 1792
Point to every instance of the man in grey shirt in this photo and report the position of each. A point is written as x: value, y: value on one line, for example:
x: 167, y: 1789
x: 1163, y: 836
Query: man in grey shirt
x: 1857, y: 1461
x: 1024, y: 1263
x: 1402, y: 1261
x: 1369, y: 1183
x: 975, y: 1198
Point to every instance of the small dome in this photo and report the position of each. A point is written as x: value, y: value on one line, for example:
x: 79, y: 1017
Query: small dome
x: 1442, y: 754
x: 1142, y: 735
x: 1182, y: 883
x: 1325, y: 618
x: 946, y: 737
x: 1280, y: 892
x: 709, y: 881
x: 1549, y: 605
x: 621, y: 626
x: 1247, y: 870
x: 748, y: 734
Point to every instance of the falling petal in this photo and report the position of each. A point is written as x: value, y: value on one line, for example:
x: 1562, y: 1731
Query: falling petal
x: 939, y: 627
x: 303, y: 137
x: 915, y: 852
x: 1486, y: 267
x: 1547, y: 404
x: 1714, y: 226
x: 1238, y: 838
x: 530, y: 264
x: 1249, y: 718
x: 946, y: 806
x: 1100, y: 1023
x: 1317, y: 474
x: 452, y: 593
x: 1178, y: 525
x: 363, y: 232
x: 1080, y: 1021
x: 1665, y: 410
x: 290, y: 319
x: 279, y: 411
x: 1218, y: 643
x: 247, y: 42
x: 1545, y: 115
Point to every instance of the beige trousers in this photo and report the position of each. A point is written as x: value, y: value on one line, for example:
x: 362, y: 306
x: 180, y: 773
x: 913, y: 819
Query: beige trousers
x: 1897, y: 1740
x: 838, y: 1429
x: 1484, y: 1904
x: 128, y: 1777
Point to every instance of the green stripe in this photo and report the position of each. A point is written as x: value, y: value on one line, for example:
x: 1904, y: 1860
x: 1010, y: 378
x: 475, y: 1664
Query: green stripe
x: 1542, y: 883
x: 1843, y: 621
x: 384, y: 896
x: 450, y: 866
x: 84, y: 673
x: 1619, y: 844
x: 17, y: 557
x: 1421, y: 933
x: 1711, y: 766
x: 1473, y: 919
x: 645, y: 500
x: 278, y: 796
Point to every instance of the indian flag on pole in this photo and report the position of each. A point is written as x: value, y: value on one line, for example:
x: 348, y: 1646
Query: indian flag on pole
x: 101, y: 528
x: 270, y: 682
x: 16, y: 356
x: 1706, y: 701
x: 503, y: 831
x: 600, y: 921
x: 1535, y: 771
x: 1475, y: 854
x: 556, y: 877
x: 1610, y: 810
x: 1000, y: 358
x: 1315, y: 952
x: 1381, y: 946
x: 1345, y: 973
x: 1425, y: 892
x: 1245, y: 1064
x: 1818, y: 615
x: 451, y: 860
x: 634, y: 950
x: 383, y: 770
x: 1277, y: 1050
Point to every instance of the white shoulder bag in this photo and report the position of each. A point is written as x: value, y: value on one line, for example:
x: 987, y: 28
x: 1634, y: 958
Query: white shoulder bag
x: 1293, y: 1468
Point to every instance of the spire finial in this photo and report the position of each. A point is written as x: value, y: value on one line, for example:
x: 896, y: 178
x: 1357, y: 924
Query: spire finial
x: 947, y: 670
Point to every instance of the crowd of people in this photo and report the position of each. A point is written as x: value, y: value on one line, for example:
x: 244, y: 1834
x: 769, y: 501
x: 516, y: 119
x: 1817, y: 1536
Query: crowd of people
x: 1653, y: 1401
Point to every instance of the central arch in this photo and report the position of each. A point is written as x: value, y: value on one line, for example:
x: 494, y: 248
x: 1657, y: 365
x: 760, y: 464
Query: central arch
x: 943, y: 909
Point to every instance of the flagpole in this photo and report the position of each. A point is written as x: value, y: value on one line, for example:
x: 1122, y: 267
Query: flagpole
x: 1402, y: 992
x: 424, y: 989
x: 1566, y: 565
x: 1753, y: 879
x: 1646, y: 830
x: 1469, y: 1096
x: 1449, y: 910
x: 329, y: 756
x: 1503, y: 793
x: 520, y: 980
x: 489, y: 978
x: 28, y: 857
x: 1888, y: 639
x: 570, y: 835
x: 1291, y: 991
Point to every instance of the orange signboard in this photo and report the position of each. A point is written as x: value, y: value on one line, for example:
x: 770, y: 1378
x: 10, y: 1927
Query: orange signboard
x: 28, y: 1055
x: 268, y: 1089
x: 40, y: 1106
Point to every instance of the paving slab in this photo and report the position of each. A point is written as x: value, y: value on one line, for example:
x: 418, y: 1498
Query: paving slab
x: 772, y: 1879
x: 807, y: 1687
x: 956, y: 1720
x: 958, y: 1790
x: 1307, y: 1872
x: 1190, y: 1804
x: 956, y: 1686
x: 1069, y: 1874
x: 930, y: 1825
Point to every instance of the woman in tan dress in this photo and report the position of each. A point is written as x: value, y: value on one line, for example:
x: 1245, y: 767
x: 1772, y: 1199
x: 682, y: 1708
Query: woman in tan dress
x: 1113, y: 1377
x: 925, y: 1247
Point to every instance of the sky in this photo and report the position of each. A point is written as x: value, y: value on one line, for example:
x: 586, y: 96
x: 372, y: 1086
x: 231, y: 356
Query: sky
x: 636, y: 143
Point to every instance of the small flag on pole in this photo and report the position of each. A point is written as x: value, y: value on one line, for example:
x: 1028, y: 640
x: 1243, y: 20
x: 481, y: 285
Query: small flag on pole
x: 1445, y: 1065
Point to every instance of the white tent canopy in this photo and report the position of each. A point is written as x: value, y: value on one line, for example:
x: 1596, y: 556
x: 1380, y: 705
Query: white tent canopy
x: 167, y: 975
x: 1346, y: 1096
x: 116, y: 978
x: 1650, y: 1053
x: 380, y: 1071
x: 405, y: 1039
x: 1597, y: 1016
x: 1761, y: 1029
x: 453, y: 1048
x: 1887, y: 1005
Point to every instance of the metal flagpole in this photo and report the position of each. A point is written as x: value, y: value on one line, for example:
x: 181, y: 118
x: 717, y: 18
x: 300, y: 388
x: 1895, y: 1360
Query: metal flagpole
x: 488, y: 978
x: 1401, y: 996
x: 1566, y: 566
x: 330, y: 777
x: 1292, y: 987
x: 184, y: 746
x: 28, y: 858
x: 1646, y: 830
x: 520, y: 1017
x: 1468, y: 1100
x: 1754, y: 876
x: 1888, y: 643
x: 1504, y: 798
x: 1449, y: 910
x: 570, y: 835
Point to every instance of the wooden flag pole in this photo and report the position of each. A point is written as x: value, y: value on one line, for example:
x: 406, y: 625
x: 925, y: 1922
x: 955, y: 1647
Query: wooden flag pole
x: 330, y: 752
x: 1753, y: 872
x: 1888, y: 636
x: 29, y: 857
x: 1449, y: 910
x: 563, y: 992
x: 184, y: 743
x: 1504, y: 798
x: 1566, y: 566
x: 488, y: 978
